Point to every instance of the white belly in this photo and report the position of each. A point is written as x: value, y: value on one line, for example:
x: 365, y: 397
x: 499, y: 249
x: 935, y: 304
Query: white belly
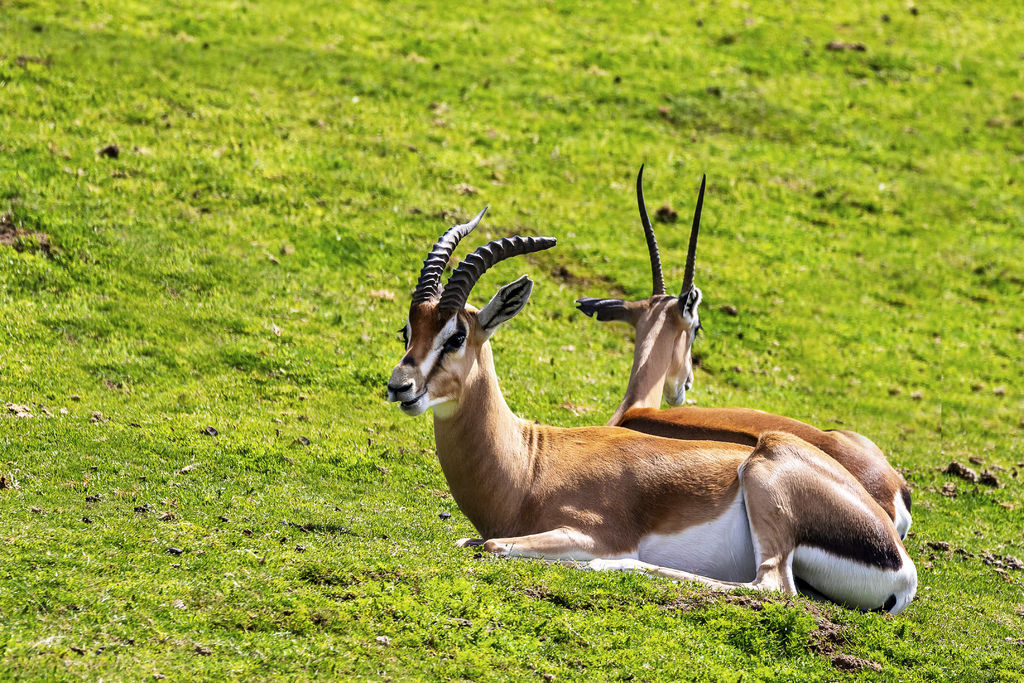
x: 720, y: 549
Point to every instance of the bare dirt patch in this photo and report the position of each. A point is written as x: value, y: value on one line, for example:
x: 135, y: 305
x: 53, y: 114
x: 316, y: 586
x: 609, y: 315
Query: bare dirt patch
x: 828, y: 636
x: 569, y: 277
x: 960, y: 470
x: 843, y: 46
x: 825, y: 640
x: 666, y: 214
x: 21, y: 240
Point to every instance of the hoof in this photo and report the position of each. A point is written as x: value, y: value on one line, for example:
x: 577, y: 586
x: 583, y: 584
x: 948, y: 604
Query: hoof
x: 497, y: 548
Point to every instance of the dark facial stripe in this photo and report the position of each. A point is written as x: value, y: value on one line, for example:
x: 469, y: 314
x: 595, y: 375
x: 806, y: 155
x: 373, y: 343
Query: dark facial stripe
x: 460, y: 328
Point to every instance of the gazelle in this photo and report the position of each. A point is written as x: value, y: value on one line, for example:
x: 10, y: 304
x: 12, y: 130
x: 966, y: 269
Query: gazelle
x: 722, y: 514
x: 662, y: 365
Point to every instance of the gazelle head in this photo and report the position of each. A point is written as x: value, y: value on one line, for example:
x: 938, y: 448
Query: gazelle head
x: 444, y: 337
x: 665, y: 325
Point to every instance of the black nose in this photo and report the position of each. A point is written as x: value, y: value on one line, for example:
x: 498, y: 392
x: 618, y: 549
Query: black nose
x: 398, y: 390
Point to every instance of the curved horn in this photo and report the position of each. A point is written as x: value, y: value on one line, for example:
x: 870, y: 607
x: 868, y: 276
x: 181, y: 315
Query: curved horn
x: 691, y: 255
x: 428, y: 286
x: 652, y: 244
x: 456, y: 292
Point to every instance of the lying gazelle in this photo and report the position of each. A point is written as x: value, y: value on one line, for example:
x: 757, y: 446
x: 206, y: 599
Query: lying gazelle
x: 718, y: 513
x: 665, y: 330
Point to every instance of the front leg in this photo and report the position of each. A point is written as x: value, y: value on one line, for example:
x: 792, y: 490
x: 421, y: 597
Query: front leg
x: 631, y: 565
x: 576, y: 546
x: 558, y: 544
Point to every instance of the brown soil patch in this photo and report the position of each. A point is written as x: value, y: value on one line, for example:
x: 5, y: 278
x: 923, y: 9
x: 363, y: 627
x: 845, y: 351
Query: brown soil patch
x: 841, y: 46
x: 825, y: 639
x: 11, y: 235
x: 666, y: 214
x: 611, y: 287
x: 828, y: 637
x: 960, y: 470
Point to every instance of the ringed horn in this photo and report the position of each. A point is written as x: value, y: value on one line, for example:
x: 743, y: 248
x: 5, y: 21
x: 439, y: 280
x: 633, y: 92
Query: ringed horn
x: 460, y: 284
x: 652, y: 243
x: 429, y: 284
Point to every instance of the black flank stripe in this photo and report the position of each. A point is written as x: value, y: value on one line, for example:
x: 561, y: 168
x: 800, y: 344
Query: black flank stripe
x: 874, y: 553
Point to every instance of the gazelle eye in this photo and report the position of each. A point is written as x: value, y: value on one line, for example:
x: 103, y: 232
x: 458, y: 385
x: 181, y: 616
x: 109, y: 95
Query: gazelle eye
x: 455, y: 342
x: 697, y: 330
x: 403, y: 334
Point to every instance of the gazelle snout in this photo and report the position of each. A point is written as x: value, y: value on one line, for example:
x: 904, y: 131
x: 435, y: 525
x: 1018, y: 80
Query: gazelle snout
x: 679, y: 378
x: 675, y: 391
x: 404, y: 386
x: 394, y: 391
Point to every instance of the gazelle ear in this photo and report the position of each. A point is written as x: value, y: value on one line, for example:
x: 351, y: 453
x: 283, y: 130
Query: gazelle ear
x: 689, y: 303
x: 605, y: 309
x: 509, y: 300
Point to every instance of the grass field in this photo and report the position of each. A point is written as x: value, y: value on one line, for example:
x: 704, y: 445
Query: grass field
x: 213, y: 215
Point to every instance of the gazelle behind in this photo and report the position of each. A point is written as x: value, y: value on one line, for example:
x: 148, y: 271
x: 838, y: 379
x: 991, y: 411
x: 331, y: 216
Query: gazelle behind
x: 718, y: 513
x: 665, y: 329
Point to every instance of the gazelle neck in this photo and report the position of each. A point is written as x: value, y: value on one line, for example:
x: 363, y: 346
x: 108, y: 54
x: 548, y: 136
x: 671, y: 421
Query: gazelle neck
x: 647, y: 376
x: 485, y: 451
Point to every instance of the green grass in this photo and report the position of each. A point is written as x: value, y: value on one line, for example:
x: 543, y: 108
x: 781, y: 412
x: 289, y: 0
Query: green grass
x: 282, y: 170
